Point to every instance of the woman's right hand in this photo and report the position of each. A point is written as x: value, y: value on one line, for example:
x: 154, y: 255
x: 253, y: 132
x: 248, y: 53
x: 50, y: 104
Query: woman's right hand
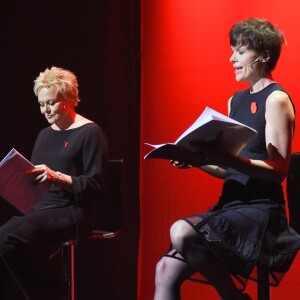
x: 180, y: 165
x: 43, y: 173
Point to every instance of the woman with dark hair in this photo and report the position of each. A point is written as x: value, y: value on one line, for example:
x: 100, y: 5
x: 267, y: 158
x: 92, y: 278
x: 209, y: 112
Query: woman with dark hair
x: 248, y: 226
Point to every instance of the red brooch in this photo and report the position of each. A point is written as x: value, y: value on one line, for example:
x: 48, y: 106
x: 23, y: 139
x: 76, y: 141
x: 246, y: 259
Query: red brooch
x: 66, y: 144
x: 253, y: 107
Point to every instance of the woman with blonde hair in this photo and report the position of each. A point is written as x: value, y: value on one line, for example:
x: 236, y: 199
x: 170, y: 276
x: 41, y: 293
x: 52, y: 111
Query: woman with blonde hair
x: 70, y: 155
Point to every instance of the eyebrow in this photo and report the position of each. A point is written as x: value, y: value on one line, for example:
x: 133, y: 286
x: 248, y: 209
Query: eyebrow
x: 48, y: 100
x: 237, y: 47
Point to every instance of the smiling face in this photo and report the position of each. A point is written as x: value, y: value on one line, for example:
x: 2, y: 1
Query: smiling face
x: 52, y: 106
x: 261, y: 36
x: 246, y: 63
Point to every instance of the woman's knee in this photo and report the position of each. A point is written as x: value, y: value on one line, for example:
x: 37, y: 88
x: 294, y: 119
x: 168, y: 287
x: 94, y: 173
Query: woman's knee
x: 171, y: 272
x: 162, y: 275
x: 182, y: 234
x: 10, y: 241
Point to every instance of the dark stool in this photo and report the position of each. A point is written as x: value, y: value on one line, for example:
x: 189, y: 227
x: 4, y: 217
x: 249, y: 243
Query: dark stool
x: 109, y: 222
x: 293, y: 197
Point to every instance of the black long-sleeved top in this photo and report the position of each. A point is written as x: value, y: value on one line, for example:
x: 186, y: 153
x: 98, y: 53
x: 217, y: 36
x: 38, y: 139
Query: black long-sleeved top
x: 79, y: 152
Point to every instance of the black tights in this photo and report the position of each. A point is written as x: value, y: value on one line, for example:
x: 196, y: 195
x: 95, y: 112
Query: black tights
x: 170, y: 272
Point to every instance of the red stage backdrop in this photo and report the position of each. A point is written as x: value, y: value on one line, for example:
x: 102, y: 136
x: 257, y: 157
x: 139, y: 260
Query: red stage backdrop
x: 185, y: 67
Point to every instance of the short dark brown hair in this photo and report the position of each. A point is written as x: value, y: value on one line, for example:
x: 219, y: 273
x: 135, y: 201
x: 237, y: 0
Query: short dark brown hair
x: 261, y: 36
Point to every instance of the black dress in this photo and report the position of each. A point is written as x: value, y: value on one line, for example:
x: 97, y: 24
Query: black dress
x: 248, y: 225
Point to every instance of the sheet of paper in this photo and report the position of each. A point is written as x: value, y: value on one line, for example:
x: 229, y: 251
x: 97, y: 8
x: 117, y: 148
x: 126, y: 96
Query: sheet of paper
x: 16, y: 187
x: 208, y: 126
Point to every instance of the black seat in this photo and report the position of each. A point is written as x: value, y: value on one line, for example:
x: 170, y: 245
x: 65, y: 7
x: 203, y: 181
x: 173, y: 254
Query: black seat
x: 293, y: 195
x: 110, y: 220
x: 293, y: 191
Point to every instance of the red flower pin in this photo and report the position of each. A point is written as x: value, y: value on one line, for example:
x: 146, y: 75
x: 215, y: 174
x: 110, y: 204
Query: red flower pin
x: 253, y: 107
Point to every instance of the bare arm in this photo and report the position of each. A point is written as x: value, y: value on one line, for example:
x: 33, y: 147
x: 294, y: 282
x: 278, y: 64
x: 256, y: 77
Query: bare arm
x: 280, y: 119
x: 215, y: 171
x: 279, y: 133
x: 209, y: 169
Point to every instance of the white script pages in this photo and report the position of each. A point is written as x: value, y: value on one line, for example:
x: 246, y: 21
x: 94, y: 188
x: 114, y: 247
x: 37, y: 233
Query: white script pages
x: 18, y: 188
x: 235, y: 136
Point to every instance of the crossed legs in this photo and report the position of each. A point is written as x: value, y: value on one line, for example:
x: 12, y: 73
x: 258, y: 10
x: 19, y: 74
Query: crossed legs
x: 170, y: 272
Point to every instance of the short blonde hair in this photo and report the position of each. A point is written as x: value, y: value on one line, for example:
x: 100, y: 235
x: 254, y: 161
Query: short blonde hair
x: 64, y: 80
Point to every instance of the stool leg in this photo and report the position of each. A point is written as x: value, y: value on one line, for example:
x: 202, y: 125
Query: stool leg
x: 69, y: 266
x: 263, y: 289
x: 73, y: 271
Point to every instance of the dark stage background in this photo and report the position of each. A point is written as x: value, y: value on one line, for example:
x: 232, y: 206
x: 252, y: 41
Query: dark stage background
x: 99, y: 41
